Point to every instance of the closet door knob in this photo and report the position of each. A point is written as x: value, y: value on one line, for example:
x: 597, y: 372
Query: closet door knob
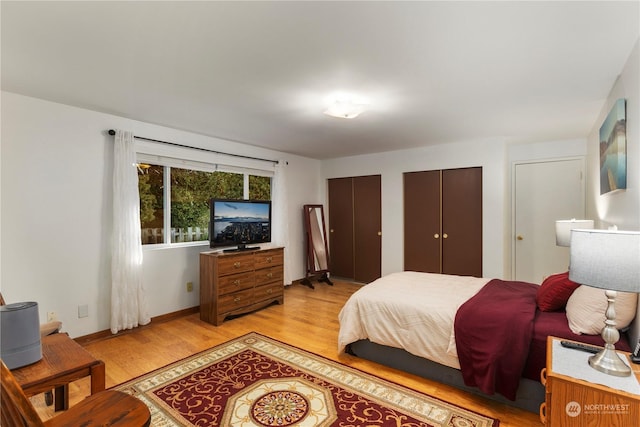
x: 445, y: 235
x: 436, y: 236
x: 519, y: 237
x: 379, y: 233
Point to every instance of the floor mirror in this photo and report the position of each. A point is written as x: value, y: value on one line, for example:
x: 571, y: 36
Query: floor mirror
x: 317, y: 248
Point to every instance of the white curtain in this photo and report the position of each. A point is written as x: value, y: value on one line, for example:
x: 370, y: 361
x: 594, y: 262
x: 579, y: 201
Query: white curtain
x: 280, y: 207
x: 128, y: 303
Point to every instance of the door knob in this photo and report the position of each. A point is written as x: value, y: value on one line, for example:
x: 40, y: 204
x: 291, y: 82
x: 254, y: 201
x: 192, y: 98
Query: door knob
x: 379, y: 233
x: 445, y: 235
x: 519, y: 237
x: 331, y: 231
x: 435, y: 236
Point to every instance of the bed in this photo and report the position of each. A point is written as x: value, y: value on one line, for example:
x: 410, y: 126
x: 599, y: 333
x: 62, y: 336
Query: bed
x: 482, y: 335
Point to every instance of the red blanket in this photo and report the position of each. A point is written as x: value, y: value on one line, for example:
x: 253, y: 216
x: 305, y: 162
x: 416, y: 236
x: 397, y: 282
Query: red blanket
x: 493, y: 331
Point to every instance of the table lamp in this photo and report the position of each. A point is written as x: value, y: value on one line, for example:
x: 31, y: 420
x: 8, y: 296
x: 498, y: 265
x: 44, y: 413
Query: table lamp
x: 610, y: 260
x: 564, y: 227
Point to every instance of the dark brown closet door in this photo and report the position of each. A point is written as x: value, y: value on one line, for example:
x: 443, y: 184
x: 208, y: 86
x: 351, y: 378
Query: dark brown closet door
x: 341, y: 227
x: 422, y: 221
x: 367, y: 228
x: 462, y: 221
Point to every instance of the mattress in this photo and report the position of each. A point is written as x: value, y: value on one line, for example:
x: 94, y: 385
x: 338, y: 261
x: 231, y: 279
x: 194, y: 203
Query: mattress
x: 409, y: 310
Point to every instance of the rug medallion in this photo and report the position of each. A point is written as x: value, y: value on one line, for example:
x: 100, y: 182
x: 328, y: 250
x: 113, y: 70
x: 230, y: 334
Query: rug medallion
x: 255, y: 381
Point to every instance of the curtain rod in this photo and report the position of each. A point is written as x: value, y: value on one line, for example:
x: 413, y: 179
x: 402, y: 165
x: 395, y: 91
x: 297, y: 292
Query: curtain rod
x: 113, y: 132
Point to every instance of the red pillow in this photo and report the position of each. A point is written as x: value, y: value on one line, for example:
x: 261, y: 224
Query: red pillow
x: 555, y: 292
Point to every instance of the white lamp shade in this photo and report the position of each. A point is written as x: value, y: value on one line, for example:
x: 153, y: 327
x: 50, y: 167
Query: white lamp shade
x: 606, y: 259
x: 564, y: 227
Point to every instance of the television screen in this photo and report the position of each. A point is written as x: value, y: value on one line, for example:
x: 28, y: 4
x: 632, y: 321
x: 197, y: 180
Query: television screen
x: 239, y: 223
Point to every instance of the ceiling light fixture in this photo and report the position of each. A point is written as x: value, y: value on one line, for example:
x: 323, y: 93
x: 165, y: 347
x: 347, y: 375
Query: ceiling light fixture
x: 345, y: 107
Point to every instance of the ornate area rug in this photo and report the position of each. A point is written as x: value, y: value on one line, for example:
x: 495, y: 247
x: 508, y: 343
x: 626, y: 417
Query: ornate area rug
x: 255, y: 381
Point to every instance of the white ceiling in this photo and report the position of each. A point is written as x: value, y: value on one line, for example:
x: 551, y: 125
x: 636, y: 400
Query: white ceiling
x: 259, y: 72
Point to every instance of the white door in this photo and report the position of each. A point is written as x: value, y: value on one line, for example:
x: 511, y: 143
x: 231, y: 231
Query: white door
x: 543, y: 193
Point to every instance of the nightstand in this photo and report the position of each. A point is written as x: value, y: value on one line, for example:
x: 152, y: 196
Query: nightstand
x: 579, y: 396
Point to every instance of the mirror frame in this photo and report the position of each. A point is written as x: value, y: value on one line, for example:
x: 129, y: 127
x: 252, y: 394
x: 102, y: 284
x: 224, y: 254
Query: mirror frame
x: 317, y: 244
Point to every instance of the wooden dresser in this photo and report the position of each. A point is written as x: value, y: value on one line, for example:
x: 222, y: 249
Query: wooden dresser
x: 239, y: 282
x: 575, y: 402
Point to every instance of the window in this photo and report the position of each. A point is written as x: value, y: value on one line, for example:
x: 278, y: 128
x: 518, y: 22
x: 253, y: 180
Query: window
x: 151, y: 191
x: 185, y: 193
x: 259, y: 187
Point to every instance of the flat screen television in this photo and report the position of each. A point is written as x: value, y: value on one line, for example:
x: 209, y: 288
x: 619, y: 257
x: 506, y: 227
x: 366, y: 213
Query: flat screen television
x: 239, y: 223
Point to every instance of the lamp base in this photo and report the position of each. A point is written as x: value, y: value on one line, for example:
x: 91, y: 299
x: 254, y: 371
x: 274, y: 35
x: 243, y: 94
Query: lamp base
x: 609, y: 362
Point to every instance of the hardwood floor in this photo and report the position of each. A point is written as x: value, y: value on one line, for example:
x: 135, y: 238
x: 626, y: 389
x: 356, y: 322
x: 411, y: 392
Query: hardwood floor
x: 308, y: 319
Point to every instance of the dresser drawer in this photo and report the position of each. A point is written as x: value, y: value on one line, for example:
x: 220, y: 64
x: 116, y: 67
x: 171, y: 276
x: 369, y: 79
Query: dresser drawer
x: 235, y: 264
x: 268, y: 275
x: 269, y: 258
x: 230, y: 302
x: 270, y: 291
x: 236, y: 282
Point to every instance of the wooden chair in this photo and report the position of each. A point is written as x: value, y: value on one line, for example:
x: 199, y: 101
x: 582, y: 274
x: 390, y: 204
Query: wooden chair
x: 107, y: 408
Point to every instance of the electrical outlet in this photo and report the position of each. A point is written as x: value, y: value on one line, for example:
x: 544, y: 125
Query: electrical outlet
x: 189, y: 286
x: 83, y: 311
x: 52, y: 316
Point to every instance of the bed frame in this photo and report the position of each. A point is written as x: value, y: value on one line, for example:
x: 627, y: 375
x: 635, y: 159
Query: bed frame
x: 529, y: 396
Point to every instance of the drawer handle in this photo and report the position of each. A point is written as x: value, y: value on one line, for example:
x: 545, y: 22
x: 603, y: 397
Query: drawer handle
x: 269, y: 291
x: 236, y: 264
x: 269, y: 259
x: 236, y: 282
x: 543, y: 376
x: 236, y: 299
x: 543, y: 413
x: 269, y: 275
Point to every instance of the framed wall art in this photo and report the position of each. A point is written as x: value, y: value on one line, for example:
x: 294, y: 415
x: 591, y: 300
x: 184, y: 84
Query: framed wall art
x: 613, y: 149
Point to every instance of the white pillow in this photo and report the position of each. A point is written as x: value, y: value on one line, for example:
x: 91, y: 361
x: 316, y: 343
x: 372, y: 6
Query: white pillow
x: 586, y: 310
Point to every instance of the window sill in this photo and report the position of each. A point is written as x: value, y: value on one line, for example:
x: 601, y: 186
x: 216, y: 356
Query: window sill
x: 162, y: 246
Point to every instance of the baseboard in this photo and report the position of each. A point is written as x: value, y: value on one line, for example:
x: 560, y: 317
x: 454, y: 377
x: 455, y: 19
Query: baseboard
x: 106, y: 334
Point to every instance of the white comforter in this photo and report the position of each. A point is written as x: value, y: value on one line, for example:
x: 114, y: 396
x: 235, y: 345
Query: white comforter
x: 409, y: 310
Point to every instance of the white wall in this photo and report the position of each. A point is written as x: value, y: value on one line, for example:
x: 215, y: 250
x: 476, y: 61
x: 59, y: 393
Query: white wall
x: 490, y: 154
x: 56, y: 212
x: 620, y: 208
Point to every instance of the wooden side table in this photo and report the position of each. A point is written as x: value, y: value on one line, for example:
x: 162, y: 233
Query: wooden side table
x: 63, y: 361
x: 573, y: 401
